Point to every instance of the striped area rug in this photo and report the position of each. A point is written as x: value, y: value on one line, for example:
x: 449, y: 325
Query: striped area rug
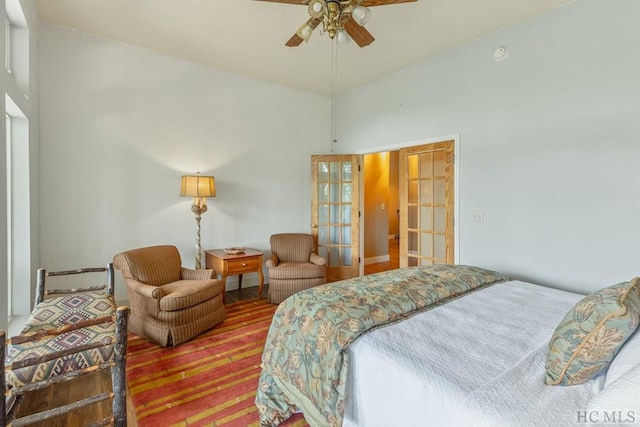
x: 208, y: 381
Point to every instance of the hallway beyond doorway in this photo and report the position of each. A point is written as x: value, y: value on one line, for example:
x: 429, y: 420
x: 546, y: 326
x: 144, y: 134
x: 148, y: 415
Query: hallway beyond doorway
x: 392, y: 264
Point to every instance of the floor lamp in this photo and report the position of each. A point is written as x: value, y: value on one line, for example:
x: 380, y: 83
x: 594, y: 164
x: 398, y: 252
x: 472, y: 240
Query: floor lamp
x: 198, y: 187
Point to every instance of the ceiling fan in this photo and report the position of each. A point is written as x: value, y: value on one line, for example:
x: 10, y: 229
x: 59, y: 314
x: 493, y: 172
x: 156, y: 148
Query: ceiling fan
x: 344, y: 19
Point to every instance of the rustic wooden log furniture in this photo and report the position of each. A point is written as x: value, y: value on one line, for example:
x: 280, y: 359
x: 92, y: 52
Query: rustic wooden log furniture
x: 66, y: 337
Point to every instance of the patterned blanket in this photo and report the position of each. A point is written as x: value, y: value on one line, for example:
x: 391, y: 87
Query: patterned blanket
x: 304, y: 365
x: 56, y: 312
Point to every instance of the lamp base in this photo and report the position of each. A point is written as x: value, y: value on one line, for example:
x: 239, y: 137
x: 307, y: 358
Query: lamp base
x: 198, y: 210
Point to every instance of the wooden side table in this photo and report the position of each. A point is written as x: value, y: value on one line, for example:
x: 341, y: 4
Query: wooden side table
x: 250, y: 261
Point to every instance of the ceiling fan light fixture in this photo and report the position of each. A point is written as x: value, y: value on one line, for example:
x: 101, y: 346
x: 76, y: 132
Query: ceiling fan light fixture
x: 305, y: 31
x: 361, y: 14
x: 343, y: 38
x: 317, y: 8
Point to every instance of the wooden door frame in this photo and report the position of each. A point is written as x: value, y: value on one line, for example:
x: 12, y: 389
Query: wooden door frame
x: 456, y: 185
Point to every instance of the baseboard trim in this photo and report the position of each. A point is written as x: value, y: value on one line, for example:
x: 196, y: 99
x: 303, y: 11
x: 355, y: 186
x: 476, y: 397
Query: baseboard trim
x: 376, y: 259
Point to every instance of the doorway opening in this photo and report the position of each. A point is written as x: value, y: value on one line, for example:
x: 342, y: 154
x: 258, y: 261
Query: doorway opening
x: 407, y: 218
x: 381, y: 212
x: 408, y: 206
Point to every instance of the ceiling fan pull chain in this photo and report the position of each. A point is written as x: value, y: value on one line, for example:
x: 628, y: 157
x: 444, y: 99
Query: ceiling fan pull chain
x: 334, y: 90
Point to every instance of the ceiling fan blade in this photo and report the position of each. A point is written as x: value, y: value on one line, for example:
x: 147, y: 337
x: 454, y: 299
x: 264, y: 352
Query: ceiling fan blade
x: 295, y: 39
x: 358, y: 33
x: 369, y: 3
x: 302, y: 2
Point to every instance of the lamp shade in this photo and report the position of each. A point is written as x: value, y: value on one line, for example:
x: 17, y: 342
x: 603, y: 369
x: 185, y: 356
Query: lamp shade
x: 317, y: 8
x: 361, y: 14
x: 343, y: 38
x: 198, y: 186
x: 305, y: 31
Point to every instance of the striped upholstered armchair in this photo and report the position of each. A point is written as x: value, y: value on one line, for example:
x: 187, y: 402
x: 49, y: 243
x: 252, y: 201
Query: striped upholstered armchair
x: 169, y: 304
x: 293, y: 265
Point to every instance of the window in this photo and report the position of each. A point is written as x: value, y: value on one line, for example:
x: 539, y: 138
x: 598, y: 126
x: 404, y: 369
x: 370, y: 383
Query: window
x: 9, y: 282
x: 16, y: 58
x: 15, y: 209
x: 7, y: 44
x: 18, y: 232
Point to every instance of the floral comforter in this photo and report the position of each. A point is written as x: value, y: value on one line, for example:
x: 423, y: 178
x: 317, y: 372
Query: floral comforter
x: 304, y: 365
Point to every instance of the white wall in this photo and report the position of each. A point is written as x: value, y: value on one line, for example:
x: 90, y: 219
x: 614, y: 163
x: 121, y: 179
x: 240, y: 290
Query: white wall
x: 121, y: 124
x: 549, y: 141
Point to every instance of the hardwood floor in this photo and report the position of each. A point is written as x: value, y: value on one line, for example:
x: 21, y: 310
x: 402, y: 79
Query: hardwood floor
x: 392, y: 264
x: 99, y: 382
x: 63, y: 393
x: 94, y: 383
x: 245, y: 294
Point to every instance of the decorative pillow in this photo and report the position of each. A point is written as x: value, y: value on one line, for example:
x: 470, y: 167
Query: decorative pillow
x: 592, y: 332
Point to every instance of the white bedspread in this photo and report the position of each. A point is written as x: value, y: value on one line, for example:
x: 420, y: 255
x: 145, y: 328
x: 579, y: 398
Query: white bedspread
x: 476, y: 361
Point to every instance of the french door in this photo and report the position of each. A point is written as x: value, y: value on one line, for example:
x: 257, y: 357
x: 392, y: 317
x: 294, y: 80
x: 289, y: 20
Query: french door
x: 426, y: 204
x: 334, y: 213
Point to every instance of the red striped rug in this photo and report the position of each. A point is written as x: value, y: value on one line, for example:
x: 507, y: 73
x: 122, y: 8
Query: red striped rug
x: 210, y: 380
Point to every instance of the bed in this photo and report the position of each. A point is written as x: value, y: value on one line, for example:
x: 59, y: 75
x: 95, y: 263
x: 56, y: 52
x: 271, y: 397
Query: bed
x: 473, y: 356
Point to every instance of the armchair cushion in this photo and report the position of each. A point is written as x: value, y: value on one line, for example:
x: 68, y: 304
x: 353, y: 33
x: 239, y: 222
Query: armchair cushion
x: 187, y: 293
x: 296, y: 270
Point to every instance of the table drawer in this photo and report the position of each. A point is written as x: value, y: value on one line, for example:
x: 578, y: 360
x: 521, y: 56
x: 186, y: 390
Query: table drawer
x: 243, y: 265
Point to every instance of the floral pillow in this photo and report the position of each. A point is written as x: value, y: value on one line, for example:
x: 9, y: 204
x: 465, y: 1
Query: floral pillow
x: 592, y: 332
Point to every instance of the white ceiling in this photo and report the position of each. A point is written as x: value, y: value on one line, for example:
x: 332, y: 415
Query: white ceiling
x: 247, y: 36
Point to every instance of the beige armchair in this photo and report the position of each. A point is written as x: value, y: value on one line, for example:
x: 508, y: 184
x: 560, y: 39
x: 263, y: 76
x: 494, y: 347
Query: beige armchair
x: 293, y: 265
x: 169, y: 304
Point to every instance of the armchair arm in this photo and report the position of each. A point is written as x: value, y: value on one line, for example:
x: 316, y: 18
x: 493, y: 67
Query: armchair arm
x: 273, y: 261
x: 317, y: 259
x: 148, y: 291
x: 189, y: 274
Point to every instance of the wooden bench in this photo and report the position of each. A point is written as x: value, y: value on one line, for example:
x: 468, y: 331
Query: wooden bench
x: 76, y: 333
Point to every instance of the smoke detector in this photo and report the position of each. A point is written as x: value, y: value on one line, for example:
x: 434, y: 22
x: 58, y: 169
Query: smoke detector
x: 500, y: 53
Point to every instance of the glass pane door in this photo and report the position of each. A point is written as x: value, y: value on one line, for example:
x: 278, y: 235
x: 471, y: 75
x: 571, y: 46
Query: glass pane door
x: 426, y: 204
x: 335, y: 213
